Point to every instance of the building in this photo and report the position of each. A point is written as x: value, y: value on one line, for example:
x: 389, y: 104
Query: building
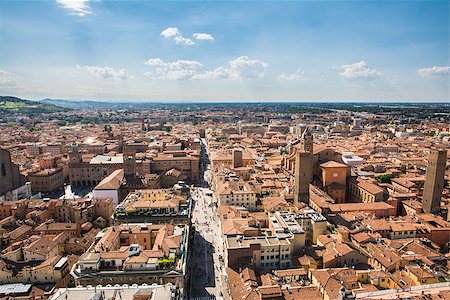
x: 135, y: 292
x: 135, y: 254
x: 46, y: 181
x: 185, y: 162
x: 334, y: 180
x: 13, y: 185
x: 263, y: 252
x: 237, y: 158
x: 236, y: 193
x: 342, y: 255
x: 51, y: 271
x: 434, y: 181
x: 303, y: 174
x: 156, y: 206
x: 361, y: 190
x: 110, y: 187
x: 90, y: 170
x: 313, y: 223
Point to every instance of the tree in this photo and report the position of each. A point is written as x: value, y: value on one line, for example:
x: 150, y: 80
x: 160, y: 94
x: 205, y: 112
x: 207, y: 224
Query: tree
x: 385, y: 178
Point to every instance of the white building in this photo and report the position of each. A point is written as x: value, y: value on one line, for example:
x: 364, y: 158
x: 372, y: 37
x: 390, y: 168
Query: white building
x: 109, y: 187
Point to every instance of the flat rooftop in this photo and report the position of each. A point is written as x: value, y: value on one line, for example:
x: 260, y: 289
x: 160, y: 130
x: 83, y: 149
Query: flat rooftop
x: 244, y: 242
x: 103, y: 159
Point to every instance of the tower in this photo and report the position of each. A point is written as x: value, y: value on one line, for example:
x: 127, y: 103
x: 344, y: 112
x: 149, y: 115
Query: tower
x: 129, y: 162
x: 307, y: 141
x: 434, y: 181
x: 144, y: 125
x: 120, y: 143
x: 237, y: 158
x: 75, y: 155
x: 303, y: 174
x: 239, y: 127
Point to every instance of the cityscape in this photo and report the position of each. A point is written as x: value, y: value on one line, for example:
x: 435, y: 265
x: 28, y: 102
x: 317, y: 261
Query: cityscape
x: 228, y: 150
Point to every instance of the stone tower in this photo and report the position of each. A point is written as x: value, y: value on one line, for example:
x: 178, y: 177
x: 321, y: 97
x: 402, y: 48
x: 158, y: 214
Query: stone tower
x: 307, y: 141
x: 303, y: 174
x: 75, y: 155
x: 237, y: 158
x: 129, y: 162
x: 434, y: 181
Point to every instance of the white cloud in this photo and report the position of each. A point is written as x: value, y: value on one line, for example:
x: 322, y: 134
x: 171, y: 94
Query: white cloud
x: 6, y: 79
x: 183, y: 41
x: 105, y: 72
x: 239, y: 68
x: 179, y: 70
x: 359, y: 70
x: 294, y: 76
x: 76, y: 7
x: 155, y: 62
x: 244, y: 67
x: 436, y: 71
x: 175, y: 34
x: 203, y: 36
x: 170, y: 32
x: 218, y: 73
x: 175, y: 65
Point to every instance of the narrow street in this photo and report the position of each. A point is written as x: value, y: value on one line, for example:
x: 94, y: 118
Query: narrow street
x: 207, y: 267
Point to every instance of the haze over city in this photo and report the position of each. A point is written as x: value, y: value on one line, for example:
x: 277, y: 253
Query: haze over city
x: 396, y: 51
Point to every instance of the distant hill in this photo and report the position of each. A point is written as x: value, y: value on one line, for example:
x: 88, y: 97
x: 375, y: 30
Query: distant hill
x: 84, y: 104
x: 9, y: 104
x: 88, y: 104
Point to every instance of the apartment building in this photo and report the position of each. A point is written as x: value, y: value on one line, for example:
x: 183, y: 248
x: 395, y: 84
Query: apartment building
x: 236, y: 193
x: 365, y: 191
x: 264, y: 252
x: 135, y: 254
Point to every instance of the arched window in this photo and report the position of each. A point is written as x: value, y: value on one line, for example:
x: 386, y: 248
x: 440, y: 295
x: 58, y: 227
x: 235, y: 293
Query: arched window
x: 3, y: 170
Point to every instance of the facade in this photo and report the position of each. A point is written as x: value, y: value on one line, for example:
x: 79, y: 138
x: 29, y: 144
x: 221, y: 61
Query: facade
x: 236, y: 193
x: 46, y: 181
x: 12, y: 183
x: 186, y: 162
x: 52, y: 270
x: 265, y: 253
x: 237, y: 158
x: 434, y: 181
x: 313, y: 223
x: 365, y: 191
x: 334, y: 180
x: 110, y: 186
x: 92, y: 171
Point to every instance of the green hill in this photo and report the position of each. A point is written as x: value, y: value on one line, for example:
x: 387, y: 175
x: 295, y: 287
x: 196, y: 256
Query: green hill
x: 16, y: 105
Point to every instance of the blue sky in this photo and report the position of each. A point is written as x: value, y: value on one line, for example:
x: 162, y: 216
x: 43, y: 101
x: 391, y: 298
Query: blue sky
x: 225, y: 51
